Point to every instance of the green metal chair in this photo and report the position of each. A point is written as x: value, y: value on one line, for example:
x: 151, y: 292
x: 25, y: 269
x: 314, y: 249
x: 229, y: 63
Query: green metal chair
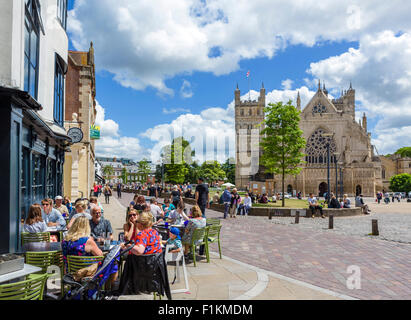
x: 30, y: 289
x: 35, y: 237
x: 46, y: 259
x: 76, y: 263
x: 213, y: 221
x: 197, y: 239
x: 212, y: 235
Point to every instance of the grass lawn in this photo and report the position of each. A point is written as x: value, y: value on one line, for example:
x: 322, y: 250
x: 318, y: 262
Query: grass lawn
x: 289, y: 203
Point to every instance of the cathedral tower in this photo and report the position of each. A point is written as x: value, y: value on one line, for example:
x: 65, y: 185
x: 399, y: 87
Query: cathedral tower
x: 248, y: 115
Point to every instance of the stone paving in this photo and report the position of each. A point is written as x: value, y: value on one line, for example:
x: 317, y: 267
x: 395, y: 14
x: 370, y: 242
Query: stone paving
x: 316, y: 256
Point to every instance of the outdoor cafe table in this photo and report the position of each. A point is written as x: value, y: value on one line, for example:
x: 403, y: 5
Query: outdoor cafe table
x: 28, y: 269
x: 41, y: 246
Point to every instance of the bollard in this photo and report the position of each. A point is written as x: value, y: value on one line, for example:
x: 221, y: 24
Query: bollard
x: 375, y: 227
x: 297, y: 217
x: 270, y: 214
x: 331, y: 222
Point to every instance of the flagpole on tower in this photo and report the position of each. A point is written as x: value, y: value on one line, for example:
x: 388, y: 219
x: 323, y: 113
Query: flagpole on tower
x: 249, y: 92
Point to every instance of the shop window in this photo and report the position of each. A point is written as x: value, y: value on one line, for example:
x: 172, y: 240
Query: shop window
x: 59, y: 92
x: 25, y: 183
x: 31, y: 46
x: 62, y: 12
x: 50, y: 181
x: 37, y: 186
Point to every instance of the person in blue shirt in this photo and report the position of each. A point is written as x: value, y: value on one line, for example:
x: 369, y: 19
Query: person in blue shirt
x: 226, y: 197
x: 174, y: 240
x: 52, y: 217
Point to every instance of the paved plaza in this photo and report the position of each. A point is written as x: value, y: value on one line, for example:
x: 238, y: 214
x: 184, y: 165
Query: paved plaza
x: 311, y: 253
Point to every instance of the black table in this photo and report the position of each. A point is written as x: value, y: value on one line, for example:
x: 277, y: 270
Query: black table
x: 41, y: 246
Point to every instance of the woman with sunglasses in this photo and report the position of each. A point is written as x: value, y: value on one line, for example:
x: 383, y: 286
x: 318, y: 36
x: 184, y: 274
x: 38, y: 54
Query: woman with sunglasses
x: 130, y: 227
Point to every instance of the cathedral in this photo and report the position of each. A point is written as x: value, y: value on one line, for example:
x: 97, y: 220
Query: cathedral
x: 327, y: 124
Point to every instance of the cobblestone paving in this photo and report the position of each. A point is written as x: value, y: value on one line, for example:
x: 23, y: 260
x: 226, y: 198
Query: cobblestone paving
x: 311, y: 253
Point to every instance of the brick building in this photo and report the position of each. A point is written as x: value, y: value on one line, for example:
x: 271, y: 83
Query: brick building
x: 80, y: 113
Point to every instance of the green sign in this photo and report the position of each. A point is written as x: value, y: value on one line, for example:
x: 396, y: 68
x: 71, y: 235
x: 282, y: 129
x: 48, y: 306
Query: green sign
x: 95, y: 132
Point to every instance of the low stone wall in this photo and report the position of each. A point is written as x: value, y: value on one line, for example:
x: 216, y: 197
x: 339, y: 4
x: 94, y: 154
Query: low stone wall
x: 275, y: 212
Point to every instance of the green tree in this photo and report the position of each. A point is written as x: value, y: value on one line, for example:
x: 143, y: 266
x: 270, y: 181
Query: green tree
x: 282, y: 141
x: 404, y: 152
x: 194, y: 172
x: 401, y: 182
x: 211, y: 171
x: 175, y: 157
x: 143, y: 168
x: 229, y: 168
x: 108, y: 171
x: 124, y: 175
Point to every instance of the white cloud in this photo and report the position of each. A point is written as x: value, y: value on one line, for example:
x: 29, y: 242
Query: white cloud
x: 185, y: 90
x: 175, y: 110
x: 111, y: 143
x: 144, y: 46
x: 211, y: 133
x: 380, y: 70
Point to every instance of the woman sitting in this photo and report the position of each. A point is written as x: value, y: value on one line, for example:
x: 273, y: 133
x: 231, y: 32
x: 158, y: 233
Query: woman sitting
x: 79, y: 242
x: 334, y: 203
x: 130, y: 227
x: 167, y: 207
x: 178, y: 216
x: 81, y: 207
x: 347, y: 201
x: 34, y: 222
x: 140, y: 202
x: 147, y: 241
x: 196, y: 222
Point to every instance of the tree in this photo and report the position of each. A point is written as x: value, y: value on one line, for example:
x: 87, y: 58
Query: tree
x: 175, y: 157
x: 401, y: 183
x: 229, y: 168
x: 124, y: 175
x: 108, y: 171
x: 282, y: 141
x: 211, y: 171
x: 404, y: 152
x: 194, y: 172
x: 143, y: 168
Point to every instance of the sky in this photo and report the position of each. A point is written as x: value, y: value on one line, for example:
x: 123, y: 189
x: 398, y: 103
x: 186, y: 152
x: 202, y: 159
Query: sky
x: 169, y: 68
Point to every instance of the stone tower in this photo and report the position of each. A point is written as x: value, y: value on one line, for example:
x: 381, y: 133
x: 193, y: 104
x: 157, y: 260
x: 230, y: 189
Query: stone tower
x: 248, y: 115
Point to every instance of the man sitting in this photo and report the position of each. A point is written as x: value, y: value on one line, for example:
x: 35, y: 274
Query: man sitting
x: 314, y: 205
x: 99, y: 226
x: 359, y: 202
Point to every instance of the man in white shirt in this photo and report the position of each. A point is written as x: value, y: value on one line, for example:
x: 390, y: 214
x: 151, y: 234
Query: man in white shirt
x: 247, y: 204
x: 155, y: 209
x: 314, y: 205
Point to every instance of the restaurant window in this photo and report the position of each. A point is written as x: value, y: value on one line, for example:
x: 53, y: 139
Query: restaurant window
x: 37, y: 185
x: 50, y: 181
x: 62, y: 12
x: 31, y: 46
x: 59, y: 92
x: 25, y: 185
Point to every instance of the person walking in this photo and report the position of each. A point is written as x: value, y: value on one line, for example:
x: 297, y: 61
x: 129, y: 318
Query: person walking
x: 107, y: 193
x: 119, y: 190
x: 202, y: 196
x: 226, y: 197
x: 235, y: 201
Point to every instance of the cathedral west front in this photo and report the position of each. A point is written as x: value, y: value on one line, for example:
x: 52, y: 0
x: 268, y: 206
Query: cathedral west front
x: 326, y: 123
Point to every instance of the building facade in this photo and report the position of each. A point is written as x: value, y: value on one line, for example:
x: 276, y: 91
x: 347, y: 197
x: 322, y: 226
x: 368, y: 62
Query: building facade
x: 33, y: 63
x: 80, y: 116
x: 327, y: 123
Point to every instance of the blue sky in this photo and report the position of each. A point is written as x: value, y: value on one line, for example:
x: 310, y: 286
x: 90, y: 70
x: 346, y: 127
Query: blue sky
x: 136, y: 100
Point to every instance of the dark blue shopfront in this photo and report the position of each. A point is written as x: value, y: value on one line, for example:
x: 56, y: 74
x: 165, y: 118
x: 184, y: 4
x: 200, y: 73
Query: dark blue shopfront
x: 31, y: 163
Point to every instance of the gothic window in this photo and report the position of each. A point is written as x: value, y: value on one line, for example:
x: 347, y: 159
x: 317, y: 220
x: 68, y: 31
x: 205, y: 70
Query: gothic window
x: 316, y: 148
x: 258, y: 112
x: 319, y: 108
x: 249, y: 112
x: 241, y: 112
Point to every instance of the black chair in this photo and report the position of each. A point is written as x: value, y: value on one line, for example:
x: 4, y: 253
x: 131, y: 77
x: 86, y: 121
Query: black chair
x: 145, y: 274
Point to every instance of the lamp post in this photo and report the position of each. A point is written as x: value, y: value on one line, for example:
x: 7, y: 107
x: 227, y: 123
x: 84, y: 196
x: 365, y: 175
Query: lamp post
x: 336, y: 154
x: 327, y: 135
